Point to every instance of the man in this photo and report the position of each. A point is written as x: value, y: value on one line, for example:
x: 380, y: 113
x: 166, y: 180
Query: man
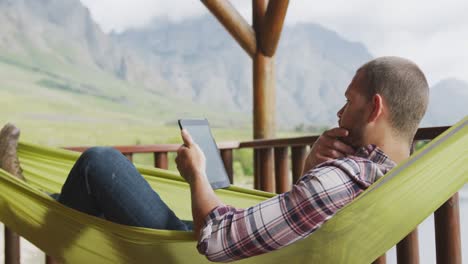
x: 385, y: 102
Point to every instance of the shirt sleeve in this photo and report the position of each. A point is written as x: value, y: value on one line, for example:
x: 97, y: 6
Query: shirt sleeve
x: 232, y: 234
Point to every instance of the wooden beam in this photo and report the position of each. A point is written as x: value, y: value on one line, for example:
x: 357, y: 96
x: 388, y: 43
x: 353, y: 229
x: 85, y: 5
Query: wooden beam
x: 239, y: 29
x: 273, y: 26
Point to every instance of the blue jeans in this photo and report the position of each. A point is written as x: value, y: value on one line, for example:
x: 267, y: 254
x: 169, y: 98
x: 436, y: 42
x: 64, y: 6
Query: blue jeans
x: 105, y: 183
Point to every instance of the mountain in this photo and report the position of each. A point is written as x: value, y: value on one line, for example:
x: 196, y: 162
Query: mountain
x: 447, y: 103
x: 40, y: 31
x: 58, y: 66
x: 200, y: 59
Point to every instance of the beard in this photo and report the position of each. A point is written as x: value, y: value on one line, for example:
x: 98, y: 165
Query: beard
x: 355, y: 136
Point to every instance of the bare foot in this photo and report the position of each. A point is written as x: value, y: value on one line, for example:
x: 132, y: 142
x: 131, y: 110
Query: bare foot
x: 9, y: 136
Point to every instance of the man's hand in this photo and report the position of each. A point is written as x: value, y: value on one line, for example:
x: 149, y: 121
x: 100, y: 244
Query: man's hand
x: 327, y: 147
x: 191, y: 163
x: 190, y: 160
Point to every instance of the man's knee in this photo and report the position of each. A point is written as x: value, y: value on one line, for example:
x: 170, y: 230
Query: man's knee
x: 100, y: 154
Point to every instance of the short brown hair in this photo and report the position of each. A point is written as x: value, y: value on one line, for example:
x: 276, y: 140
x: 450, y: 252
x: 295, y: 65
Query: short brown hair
x: 403, y: 87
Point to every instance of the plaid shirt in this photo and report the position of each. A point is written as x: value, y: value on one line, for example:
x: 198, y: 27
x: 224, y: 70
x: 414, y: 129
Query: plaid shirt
x: 231, y: 234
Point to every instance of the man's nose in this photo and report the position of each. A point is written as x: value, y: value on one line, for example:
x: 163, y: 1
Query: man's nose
x: 340, y: 112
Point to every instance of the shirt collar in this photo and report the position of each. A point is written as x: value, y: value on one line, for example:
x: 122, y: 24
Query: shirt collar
x: 376, y: 155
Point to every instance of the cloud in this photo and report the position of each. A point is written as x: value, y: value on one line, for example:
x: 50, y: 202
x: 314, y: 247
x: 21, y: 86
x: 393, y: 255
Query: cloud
x: 432, y: 33
x: 119, y: 15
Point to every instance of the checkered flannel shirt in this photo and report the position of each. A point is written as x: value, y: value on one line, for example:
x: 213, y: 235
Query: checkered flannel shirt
x: 230, y: 233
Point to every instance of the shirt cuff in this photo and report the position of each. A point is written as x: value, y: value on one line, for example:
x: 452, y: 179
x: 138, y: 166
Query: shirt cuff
x: 210, y: 226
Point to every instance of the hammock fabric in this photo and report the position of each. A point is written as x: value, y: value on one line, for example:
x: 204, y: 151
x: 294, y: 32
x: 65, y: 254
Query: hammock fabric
x: 359, y: 233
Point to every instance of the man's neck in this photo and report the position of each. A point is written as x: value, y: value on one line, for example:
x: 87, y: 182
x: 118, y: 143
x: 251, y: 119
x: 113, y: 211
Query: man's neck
x: 396, y: 150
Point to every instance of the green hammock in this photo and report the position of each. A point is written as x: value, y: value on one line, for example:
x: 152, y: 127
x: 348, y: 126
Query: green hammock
x: 359, y: 233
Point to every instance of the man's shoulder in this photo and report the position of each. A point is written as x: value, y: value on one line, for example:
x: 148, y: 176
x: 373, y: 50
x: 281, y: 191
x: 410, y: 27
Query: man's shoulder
x: 360, y: 169
x: 349, y: 165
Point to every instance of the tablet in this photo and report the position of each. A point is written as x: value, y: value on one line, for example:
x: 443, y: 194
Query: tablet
x: 200, y: 131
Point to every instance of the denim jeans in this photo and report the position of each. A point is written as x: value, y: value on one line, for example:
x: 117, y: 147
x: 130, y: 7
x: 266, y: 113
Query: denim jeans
x: 105, y: 183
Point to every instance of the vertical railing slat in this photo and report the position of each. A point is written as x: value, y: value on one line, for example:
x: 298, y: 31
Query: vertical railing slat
x: 380, y: 260
x: 257, y: 169
x: 298, y: 155
x: 160, y: 160
x: 408, y: 249
x: 129, y: 156
x: 266, y: 166
x: 447, y: 232
x: 12, y: 247
x: 281, y: 170
x: 51, y: 260
x: 226, y: 155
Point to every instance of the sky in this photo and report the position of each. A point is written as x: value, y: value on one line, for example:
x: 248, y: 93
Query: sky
x: 432, y: 33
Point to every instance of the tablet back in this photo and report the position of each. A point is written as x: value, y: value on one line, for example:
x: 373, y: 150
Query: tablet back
x: 200, y: 131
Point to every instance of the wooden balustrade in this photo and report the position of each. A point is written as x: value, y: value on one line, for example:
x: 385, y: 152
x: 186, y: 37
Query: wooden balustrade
x: 275, y: 175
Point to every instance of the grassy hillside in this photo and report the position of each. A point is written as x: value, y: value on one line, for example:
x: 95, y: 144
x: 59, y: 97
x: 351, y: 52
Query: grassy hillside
x: 71, y: 107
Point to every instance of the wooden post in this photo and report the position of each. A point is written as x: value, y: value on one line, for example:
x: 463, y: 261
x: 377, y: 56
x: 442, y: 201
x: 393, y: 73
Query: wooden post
x: 266, y: 25
x: 264, y: 100
x: 263, y: 82
x: 447, y: 232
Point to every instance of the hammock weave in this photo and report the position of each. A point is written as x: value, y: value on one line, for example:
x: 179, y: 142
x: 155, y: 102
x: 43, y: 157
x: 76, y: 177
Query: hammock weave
x: 359, y: 233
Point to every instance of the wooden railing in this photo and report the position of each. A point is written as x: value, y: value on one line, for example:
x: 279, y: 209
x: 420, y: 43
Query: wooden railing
x: 273, y: 173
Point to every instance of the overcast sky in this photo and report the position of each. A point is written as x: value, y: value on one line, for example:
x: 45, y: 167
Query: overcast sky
x: 433, y: 33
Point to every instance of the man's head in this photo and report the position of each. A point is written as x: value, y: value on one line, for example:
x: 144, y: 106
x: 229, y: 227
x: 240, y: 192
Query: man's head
x: 387, y: 93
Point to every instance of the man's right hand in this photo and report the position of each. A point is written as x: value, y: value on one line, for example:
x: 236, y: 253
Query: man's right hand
x: 327, y: 147
x: 190, y: 160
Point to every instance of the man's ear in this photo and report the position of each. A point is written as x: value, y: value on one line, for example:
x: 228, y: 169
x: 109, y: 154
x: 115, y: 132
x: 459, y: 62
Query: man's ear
x: 377, y: 109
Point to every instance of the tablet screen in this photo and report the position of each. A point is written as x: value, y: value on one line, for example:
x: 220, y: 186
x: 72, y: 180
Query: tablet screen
x: 201, y: 134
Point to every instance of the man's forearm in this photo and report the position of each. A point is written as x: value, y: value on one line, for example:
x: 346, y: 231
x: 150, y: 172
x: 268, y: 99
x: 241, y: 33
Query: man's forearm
x: 204, y: 200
